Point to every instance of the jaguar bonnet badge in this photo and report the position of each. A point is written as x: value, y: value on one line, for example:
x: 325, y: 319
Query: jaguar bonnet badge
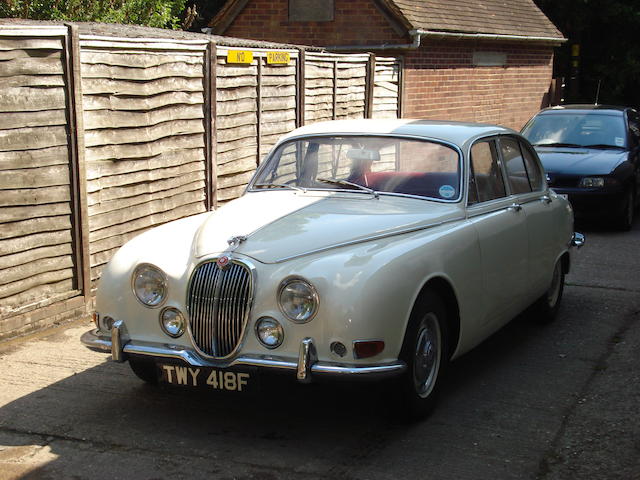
x: 223, y: 262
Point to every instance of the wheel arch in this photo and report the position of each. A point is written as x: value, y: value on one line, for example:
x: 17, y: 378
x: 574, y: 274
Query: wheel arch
x: 566, y: 262
x: 443, y: 288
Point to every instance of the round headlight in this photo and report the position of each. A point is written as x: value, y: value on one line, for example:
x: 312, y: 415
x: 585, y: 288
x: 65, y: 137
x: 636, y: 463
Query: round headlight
x: 172, y: 322
x: 149, y: 285
x: 298, y: 300
x: 269, y: 332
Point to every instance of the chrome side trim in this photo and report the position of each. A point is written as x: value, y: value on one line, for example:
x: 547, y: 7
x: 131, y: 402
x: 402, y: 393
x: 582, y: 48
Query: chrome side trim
x: 93, y: 340
x: 577, y: 240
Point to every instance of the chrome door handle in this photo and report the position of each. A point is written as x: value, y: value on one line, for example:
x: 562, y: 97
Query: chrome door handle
x: 516, y: 207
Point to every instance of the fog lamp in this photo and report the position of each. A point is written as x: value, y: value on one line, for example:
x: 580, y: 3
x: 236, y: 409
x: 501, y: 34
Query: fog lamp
x: 107, y: 323
x: 172, y: 322
x: 269, y: 332
x: 338, y: 348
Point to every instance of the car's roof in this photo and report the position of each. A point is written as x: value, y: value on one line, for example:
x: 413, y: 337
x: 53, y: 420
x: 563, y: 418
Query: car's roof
x: 457, y: 133
x: 597, y: 109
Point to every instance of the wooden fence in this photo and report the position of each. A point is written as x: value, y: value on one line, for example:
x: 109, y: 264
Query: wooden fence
x: 105, y: 136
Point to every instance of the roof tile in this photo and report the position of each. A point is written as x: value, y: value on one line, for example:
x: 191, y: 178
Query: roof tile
x: 501, y: 17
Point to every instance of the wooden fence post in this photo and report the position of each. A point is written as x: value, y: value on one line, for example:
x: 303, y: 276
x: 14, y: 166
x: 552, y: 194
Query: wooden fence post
x: 335, y: 90
x: 301, y: 90
x: 210, y: 128
x: 370, y: 84
x: 401, y: 99
x: 78, y: 174
x: 259, y: 111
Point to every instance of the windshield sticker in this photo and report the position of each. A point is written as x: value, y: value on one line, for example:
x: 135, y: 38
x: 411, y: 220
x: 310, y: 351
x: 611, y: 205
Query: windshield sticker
x: 447, y: 191
x: 619, y: 142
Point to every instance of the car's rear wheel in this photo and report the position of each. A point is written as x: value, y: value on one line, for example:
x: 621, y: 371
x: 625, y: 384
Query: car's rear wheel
x: 547, y: 306
x: 426, y: 355
x: 145, y: 370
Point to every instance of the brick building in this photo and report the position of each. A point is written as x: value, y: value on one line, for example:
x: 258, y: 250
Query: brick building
x: 470, y: 60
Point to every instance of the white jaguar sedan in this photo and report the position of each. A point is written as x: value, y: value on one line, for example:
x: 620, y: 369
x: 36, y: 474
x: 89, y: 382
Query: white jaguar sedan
x: 361, y: 249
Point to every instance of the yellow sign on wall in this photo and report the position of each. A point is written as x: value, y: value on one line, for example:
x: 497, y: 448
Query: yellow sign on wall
x: 239, y: 56
x: 278, y: 58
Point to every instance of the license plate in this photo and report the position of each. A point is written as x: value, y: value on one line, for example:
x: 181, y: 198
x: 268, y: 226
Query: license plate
x: 208, y: 378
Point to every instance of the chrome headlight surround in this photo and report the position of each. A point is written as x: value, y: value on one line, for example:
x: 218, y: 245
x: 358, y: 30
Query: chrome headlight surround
x: 172, y: 322
x: 149, y: 285
x: 298, y: 299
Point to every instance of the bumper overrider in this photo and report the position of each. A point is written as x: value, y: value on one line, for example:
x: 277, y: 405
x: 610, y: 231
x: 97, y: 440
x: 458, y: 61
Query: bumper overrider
x: 306, y: 367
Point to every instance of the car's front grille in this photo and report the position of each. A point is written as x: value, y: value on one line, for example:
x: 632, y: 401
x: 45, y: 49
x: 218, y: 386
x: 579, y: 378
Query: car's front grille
x: 218, y: 302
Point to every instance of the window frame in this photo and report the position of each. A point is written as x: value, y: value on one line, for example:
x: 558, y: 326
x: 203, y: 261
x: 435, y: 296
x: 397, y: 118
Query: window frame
x: 509, y: 193
x: 492, y: 140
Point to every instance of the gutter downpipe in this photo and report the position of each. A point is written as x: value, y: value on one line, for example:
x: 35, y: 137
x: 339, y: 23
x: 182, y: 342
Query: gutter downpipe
x: 418, y: 34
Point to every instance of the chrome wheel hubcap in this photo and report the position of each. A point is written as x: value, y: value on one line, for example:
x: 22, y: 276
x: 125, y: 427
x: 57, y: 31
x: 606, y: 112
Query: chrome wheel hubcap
x: 426, y: 359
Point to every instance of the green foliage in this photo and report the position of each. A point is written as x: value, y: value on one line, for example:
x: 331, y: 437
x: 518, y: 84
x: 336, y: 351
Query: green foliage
x: 607, y: 32
x: 151, y: 13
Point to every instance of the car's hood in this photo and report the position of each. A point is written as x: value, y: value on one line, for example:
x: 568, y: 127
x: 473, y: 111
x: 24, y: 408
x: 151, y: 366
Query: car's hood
x: 580, y: 161
x: 276, y: 225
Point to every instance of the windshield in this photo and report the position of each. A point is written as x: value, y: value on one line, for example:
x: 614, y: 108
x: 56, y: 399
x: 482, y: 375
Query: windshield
x: 366, y: 164
x: 583, y: 129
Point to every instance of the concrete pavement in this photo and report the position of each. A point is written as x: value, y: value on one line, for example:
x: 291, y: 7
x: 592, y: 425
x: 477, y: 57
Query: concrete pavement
x: 553, y: 402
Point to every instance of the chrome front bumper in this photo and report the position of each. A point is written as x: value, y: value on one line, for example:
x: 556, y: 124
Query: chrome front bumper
x: 306, y: 367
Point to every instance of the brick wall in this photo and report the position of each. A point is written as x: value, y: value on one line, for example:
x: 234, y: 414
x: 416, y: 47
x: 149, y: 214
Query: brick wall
x: 440, y: 79
x: 441, y: 82
x: 356, y: 22
x: 59, y: 313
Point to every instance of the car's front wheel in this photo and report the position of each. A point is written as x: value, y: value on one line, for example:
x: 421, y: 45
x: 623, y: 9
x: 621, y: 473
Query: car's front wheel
x: 425, y: 353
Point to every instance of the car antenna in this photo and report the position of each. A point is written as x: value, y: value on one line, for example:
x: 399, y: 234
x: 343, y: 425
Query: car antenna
x: 598, y: 90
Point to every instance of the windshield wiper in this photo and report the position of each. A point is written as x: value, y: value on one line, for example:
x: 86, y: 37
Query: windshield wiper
x: 604, y: 145
x: 280, y: 185
x: 573, y: 145
x: 346, y: 183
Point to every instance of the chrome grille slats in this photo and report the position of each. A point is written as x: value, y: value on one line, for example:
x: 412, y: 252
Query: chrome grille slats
x: 218, y: 303
x: 241, y: 308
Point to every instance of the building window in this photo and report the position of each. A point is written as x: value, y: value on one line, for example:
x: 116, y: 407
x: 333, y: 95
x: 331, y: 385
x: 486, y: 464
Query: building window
x: 311, y: 10
x: 489, y: 59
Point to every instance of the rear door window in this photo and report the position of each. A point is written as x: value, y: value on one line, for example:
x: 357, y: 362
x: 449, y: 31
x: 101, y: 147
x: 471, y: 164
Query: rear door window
x: 485, y: 181
x: 516, y: 170
x: 533, y: 168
